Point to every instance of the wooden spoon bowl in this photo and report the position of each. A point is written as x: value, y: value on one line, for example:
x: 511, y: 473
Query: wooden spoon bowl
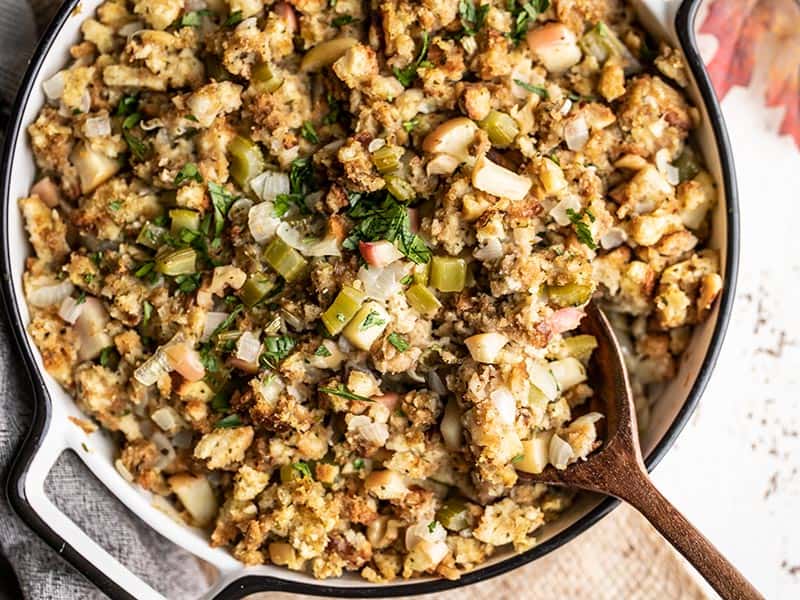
x: 617, y: 468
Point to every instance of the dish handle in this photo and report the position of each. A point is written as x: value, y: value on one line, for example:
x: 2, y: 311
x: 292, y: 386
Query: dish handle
x: 26, y: 494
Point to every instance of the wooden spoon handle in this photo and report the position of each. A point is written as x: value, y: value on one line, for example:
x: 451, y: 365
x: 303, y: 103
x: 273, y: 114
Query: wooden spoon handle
x: 642, y: 494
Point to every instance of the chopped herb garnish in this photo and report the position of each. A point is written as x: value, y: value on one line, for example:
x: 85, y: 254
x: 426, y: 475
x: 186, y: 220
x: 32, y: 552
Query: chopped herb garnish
x: 358, y: 463
x: 276, y: 348
x: 88, y: 278
x: 410, y: 125
x: 188, y: 172
x: 373, y: 319
x: 309, y: 133
x: 138, y: 147
x: 407, y: 280
x: 408, y: 74
x: 578, y: 98
x: 343, y: 392
x: 145, y: 269
x: 517, y: 458
x: 81, y: 298
x: 398, y: 341
x: 192, y: 19
x: 582, y: 230
x: 322, y: 351
x: 97, y: 257
x: 472, y: 17
x: 109, y: 357
x: 234, y: 18
x: 343, y: 20
x: 432, y: 526
x: 115, y: 205
x: 301, y: 176
x: 283, y: 202
x: 188, y: 283
x: 334, y: 111
x: 147, y: 312
x: 229, y: 421
x: 219, y: 403
x: 303, y: 469
x: 222, y: 200
x: 534, y: 89
x: 385, y: 220
x: 524, y: 13
x: 554, y: 158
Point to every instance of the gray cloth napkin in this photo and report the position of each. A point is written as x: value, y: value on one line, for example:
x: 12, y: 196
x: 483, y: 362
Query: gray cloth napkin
x: 40, y: 573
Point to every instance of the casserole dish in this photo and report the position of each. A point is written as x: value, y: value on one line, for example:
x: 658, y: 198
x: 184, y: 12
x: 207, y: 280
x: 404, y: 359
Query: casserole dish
x: 53, y: 432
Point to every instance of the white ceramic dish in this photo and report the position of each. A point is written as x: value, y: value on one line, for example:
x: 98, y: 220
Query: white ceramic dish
x: 52, y: 432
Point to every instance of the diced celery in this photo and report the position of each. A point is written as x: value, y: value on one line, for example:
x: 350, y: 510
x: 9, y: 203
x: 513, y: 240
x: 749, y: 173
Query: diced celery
x: 448, y: 274
x: 454, y: 514
x: 399, y: 188
x: 183, y: 218
x: 570, y: 294
x: 421, y: 273
x: 151, y: 235
x: 287, y: 261
x: 687, y: 164
x: 501, y: 127
x: 266, y: 78
x: 256, y: 288
x: 580, y: 346
x: 177, y: 262
x: 423, y: 300
x: 387, y: 158
x: 246, y: 158
x: 343, y: 309
x: 367, y: 326
x: 602, y: 43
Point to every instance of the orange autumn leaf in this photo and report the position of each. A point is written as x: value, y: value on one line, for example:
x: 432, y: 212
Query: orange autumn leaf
x: 748, y: 29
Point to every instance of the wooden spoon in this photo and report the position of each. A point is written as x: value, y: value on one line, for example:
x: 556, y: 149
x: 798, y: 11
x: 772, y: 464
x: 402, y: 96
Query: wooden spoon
x: 617, y: 468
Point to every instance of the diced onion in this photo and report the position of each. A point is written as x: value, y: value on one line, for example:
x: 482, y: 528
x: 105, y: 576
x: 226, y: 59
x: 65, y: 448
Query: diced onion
x: 262, y: 222
x: 123, y: 470
x: 167, y: 418
x: 376, y: 144
x: 240, y: 209
x: 382, y: 284
x: 588, y: 419
x: 70, y: 310
x: 566, y: 107
x: 369, y: 430
x: 213, y: 320
x: 54, y: 87
x: 486, y: 347
x: 48, y: 295
x: 271, y: 388
x: 666, y: 168
x: 165, y: 450
x: 559, y: 211
x: 248, y: 347
x: 129, y: 29
x: 568, y: 372
x: 97, y: 126
x: 576, y: 133
x: 542, y: 377
x: 491, y: 250
x: 151, y: 370
x: 612, y: 238
x: 505, y: 404
x: 435, y: 383
x: 328, y: 246
x: 560, y: 452
x: 450, y: 426
x: 269, y: 184
x: 86, y: 102
x: 423, y: 531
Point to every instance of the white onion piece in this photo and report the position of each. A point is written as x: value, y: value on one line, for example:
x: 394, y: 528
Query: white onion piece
x: 90, y: 327
x: 376, y: 144
x: 560, y: 452
x: 435, y: 383
x: 123, y: 470
x: 566, y: 107
x: 151, y: 124
x: 559, y: 211
x: 271, y: 388
x: 588, y: 419
x: 240, y: 209
x: 325, y: 247
x: 97, y: 126
x: 213, y: 320
x: 612, y: 238
x: 382, y: 284
x: 248, y: 347
x: 669, y: 171
x: 491, y: 250
x: 248, y: 23
x: 568, y: 372
x: 262, y: 222
x: 70, y: 310
x: 269, y: 184
x: 505, y: 404
x: 54, y: 87
x: 542, y: 377
x: 165, y: 450
x: 423, y: 531
x: 48, y: 295
x: 369, y: 430
x: 450, y: 426
x: 167, y: 418
x: 486, y: 347
x: 129, y: 29
x: 86, y: 102
x: 576, y: 133
x: 151, y: 370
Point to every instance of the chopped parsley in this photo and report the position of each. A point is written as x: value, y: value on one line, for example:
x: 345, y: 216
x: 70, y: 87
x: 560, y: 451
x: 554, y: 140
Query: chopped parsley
x: 534, y: 89
x: 309, y: 133
x: 343, y: 392
x: 147, y: 312
x: 408, y: 74
x: 432, y: 526
x: 234, y: 18
x: 373, y: 319
x: 358, y: 463
x: 578, y: 98
x: 472, y: 17
x: 188, y: 172
x: 138, y: 147
x: 343, y: 20
x: 81, y: 298
x: 109, y: 357
x: 301, y: 176
x: 276, y: 348
x: 222, y: 200
x: 334, y: 110
x: 554, y: 158
x: 385, y: 219
x: 398, y: 341
x: 145, y: 269
x: 188, y: 283
x: 88, y: 278
x: 517, y: 458
x: 229, y: 421
x: 193, y: 18
x: 115, y: 205
x: 523, y: 14
x: 582, y: 229
x: 219, y: 403
x: 322, y: 351
x: 283, y: 202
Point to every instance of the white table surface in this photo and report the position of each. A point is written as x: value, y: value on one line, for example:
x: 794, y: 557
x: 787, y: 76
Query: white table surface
x: 735, y: 470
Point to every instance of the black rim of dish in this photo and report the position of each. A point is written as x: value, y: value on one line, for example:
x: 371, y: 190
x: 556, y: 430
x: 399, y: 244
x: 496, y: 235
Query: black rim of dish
x: 248, y: 584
